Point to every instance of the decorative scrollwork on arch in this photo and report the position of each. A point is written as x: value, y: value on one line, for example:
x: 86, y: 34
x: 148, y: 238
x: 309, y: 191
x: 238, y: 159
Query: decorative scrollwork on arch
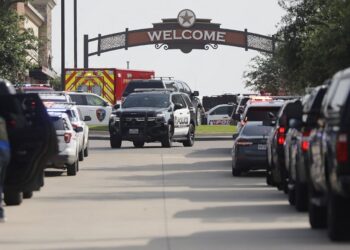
x: 164, y: 45
x: 210, y: 45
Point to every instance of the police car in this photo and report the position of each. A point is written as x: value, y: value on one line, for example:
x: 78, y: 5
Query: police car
x: 78, y: 121
x: 92, y: 105
x: 163, y: 116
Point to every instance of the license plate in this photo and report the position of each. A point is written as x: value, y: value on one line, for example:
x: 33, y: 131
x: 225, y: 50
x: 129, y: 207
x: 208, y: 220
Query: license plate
x: 262, y: 147
x: 133, y: 131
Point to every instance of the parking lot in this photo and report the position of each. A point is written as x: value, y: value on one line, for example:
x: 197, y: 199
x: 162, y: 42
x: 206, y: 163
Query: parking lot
x: 158, y: 198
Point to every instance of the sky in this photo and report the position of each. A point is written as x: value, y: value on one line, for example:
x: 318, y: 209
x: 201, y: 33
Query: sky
x: 211, y: 72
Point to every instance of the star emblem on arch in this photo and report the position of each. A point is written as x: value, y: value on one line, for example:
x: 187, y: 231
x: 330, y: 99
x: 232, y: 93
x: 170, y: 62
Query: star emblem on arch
x: 186, y: 18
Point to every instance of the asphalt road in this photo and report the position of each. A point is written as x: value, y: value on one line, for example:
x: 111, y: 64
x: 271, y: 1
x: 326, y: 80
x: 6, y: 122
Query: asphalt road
x: 155, y: 198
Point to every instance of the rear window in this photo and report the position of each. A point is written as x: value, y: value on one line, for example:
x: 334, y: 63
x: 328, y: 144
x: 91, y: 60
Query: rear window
x: 257, y: 130
x: 260, y: 113
x: 58, y: 123
x: 142, y: 85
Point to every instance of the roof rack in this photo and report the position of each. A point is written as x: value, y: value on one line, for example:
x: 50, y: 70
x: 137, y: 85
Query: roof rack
x: 163, y: 77
x: 152, y: 90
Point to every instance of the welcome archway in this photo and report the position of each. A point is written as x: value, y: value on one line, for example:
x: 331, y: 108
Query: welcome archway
x: 185, y: 33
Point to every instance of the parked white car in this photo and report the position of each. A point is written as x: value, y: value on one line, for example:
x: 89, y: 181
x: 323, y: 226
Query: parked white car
x: 220, y: 115
x: 92, y: 105
x: 68, y: 145
x: 77, y: 120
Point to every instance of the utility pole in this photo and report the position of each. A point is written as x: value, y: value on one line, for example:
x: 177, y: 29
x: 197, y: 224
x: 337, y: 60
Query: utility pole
x: 63, y: 47
x: 75, y: 35
x: 127, y: 65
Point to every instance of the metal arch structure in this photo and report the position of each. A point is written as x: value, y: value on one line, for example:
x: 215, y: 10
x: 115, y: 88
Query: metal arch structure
x: 170, y: 34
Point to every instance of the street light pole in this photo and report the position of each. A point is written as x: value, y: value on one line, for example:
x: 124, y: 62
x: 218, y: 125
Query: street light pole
x: 75, y: 35
x: 63, y: 47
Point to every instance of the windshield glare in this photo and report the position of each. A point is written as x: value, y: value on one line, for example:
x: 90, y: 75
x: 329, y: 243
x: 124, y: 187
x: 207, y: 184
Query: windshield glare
x: 146, y: 100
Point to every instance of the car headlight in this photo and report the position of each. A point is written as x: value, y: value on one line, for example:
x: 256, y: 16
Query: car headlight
x: 160, y: 115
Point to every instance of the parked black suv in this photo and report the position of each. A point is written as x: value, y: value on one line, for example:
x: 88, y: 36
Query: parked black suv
x: 32, y: 142
x: 170, y: 84
x: 329, y: 183
x: 276, y: 171
x: 163, y: 116
x: 297, y: 147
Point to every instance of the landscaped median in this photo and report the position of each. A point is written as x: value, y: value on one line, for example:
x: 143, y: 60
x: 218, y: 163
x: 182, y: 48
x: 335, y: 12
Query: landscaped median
x: 200, y: 130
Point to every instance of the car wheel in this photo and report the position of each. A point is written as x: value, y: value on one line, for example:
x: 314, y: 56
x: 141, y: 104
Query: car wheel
x: 300, y: 197
x: 138, y: 144
x: 72, y: 168
x: 338, y: 218
x: 190, y: 137
x: 13, y: 198
x: 291, y: 196
x: 86, y: 150
x: 317, y: 214
x: 236, y: 172
x: 116, y: 141
x: 269, y: 180
x: 198, y: 116
x: 167, y: 141
x: 28, y: 195
x: 81, y: 155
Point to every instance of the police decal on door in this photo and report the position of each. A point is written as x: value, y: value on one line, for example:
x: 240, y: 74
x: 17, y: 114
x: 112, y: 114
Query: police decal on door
x: 181, y: 122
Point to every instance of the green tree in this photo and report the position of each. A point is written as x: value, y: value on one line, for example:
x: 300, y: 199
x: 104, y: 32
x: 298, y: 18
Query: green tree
x: 15, y: 43
x: 315, y: 37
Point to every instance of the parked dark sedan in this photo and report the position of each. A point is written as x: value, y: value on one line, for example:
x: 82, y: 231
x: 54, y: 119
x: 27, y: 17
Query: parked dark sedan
x: 249, y: 148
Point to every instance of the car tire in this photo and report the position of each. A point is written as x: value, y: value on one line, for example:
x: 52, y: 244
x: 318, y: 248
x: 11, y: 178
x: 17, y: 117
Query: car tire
x: 269, y: 180
x: 28, y: 195
x: 317, y: 214
x: 338, y: 218
x: 167, y: 141
x: 72, y: 169
x: 86, y: 150
x: 198, y: 116
x: 236, y: 172
x: 13, y: 198
x: 300, y: 197
x: 291, y: 196
x: 138, y: 144
x: 81, y: 155
x: 190, y: 137
x: 116, y: 141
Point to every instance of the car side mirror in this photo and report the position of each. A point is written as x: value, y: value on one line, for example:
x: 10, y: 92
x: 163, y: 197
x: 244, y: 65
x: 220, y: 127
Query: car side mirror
x: 117, y: 106
x: 295, y: 123
x: 195, y: 93
x: 78, y: 129
x: 234, y: 136
x: 87, y: 118
x: 178, y: 106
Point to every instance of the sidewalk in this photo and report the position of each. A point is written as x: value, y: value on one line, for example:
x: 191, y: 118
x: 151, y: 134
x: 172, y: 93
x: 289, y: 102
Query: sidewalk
x: 104, y: 135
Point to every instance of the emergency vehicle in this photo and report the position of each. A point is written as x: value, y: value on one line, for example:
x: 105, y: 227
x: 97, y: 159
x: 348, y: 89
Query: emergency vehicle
x: 108, y: 83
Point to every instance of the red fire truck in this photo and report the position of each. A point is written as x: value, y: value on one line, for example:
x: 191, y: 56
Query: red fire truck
x: 108, y: 83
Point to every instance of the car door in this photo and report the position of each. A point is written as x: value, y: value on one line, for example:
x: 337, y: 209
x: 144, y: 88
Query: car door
x: 181, y: 116
x: 219, y: 116
x: 98, y: 109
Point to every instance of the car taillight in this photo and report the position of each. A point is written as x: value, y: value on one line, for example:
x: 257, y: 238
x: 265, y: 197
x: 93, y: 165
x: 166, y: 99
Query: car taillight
x: 305, y: 141
x: 244, y: 143
x: 67, y: 137
x: 281, y: 137
x: 342, y: 148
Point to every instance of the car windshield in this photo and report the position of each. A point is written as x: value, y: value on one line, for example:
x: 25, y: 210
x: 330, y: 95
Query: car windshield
x: 256, y: 130
x: 142, y: 85
x: 57, y: 122
x: 260, y: 113
x: 147, y: 100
